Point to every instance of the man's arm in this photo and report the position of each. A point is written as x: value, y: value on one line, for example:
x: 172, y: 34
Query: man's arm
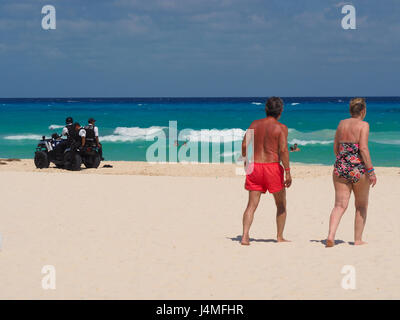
x: 284, y: 154
x: 82, y: 133
x: 283, y: 147
x: 244, y: 141
x: 96, y: 134
x: 244, y: 145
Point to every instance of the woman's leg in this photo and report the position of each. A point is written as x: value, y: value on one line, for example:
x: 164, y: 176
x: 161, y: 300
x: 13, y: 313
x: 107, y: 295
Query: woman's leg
x: 248, y: 215
x: 361, y: 194
x: 342, y: 196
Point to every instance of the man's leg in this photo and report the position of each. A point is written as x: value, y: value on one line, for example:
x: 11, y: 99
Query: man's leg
x: 280, y: 201
x: 101, y: 151
x: 248, y: 215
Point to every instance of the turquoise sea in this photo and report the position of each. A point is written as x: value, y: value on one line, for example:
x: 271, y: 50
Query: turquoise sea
x: 124, y: 124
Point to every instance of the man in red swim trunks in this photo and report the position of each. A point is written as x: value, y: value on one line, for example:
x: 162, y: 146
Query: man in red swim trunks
x: 266, y: 173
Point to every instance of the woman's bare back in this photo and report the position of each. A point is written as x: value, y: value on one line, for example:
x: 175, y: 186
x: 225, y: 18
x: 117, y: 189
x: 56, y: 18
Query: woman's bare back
x: 349, y: 130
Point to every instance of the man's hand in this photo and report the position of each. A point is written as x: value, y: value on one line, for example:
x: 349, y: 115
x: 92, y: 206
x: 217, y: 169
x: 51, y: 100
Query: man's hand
x: 288, y: 179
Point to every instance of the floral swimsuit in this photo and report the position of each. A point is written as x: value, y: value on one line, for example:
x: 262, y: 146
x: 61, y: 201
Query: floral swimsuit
x: 348, y: 163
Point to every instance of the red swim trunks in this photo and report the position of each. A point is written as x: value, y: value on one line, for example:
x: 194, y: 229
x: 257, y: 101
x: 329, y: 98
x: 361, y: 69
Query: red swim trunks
x: 265, y: 176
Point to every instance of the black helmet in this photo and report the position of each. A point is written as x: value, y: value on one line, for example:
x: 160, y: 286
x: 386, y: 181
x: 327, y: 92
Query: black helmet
x: 69, y: 120
x: 91, y: 120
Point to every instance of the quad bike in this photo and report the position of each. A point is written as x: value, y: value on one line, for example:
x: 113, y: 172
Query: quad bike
x: 49, y: 151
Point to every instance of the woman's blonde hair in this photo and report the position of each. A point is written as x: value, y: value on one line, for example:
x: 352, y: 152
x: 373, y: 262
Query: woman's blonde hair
x: 357, y: 105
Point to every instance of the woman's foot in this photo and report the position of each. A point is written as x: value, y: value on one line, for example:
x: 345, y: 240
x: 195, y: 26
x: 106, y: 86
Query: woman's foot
x: 359, y: 242
x: 329, y: 243
x: 281, y: 239
x: 245, y: 241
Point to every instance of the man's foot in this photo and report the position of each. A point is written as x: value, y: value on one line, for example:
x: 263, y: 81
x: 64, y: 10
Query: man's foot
x: 329, y: 243
x: 282, y: 240
x: 359, y: 242
x: 245, y: 241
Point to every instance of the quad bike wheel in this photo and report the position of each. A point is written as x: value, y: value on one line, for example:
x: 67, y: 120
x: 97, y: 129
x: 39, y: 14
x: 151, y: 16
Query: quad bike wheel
x: 73, y: 161
x: 41, y: 160
x: 92, y: 161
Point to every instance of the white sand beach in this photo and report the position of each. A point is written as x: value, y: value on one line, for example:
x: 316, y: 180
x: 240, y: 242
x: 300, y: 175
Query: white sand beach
x: 172, y: 231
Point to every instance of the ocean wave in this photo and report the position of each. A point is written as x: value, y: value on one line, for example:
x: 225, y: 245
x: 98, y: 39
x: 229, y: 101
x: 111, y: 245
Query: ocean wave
x: 322, y: 137
x: 231, y: 154
x: 295, y: 103
x: 325, y: 136
x: 24, y: 137
x: 129, y: 134
x: 55, y: 126
x: 213, y: 135
x: 306, y: 142
x: 387, y: 141
x: 257, y: 103
x: 385, y: 137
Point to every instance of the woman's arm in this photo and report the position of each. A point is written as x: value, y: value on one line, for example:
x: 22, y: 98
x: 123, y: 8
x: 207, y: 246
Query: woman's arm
x: 336, y: 145
x: 364, y: 150
x: 364, y: 146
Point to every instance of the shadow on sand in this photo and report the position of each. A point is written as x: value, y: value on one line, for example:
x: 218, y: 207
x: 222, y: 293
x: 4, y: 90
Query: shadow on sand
x: 239, y: 238
x: 324, y: 241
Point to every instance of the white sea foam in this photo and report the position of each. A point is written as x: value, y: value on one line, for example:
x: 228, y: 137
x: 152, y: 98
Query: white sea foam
x: 230, y: 154
x: 295, y: 103
x: 386, y: 141
x: 325, y: 136
x: 213, y: 135
x: 306, y: 142
x: 55, y: 126
x: 129, y: 134
x: 386, y: 137
x: 257, y: 103
x: 24, y: 137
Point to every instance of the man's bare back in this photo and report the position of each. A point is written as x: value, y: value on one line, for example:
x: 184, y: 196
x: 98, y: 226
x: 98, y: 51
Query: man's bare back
x: 270, y: 137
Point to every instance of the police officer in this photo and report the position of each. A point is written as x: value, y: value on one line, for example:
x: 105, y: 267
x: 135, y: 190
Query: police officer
x: 68, y: 131
x: 92, y: 134
x: 80, y: 135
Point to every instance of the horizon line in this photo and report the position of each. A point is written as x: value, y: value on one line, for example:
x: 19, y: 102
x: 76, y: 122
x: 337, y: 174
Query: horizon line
x: 193, y: 97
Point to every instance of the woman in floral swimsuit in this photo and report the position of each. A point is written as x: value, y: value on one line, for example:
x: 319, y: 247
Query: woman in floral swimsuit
x: 353, y: 170
x: 348, y: 163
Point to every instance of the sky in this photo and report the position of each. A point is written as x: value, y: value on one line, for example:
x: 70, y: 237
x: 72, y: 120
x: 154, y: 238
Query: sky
x: 199, y: 48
